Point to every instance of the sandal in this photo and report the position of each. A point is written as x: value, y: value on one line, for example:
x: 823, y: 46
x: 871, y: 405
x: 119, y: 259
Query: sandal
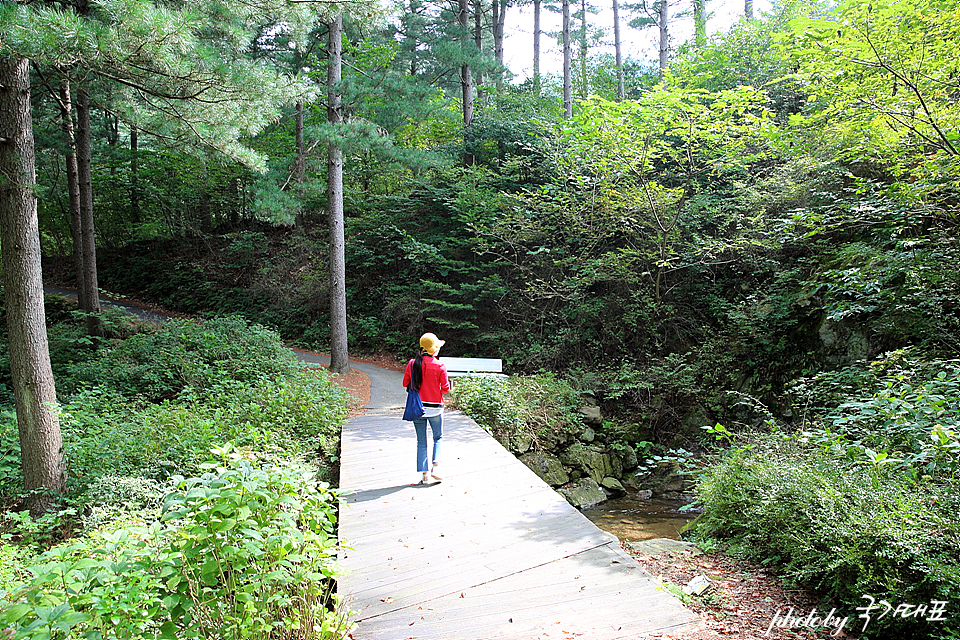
x: 434, y: 475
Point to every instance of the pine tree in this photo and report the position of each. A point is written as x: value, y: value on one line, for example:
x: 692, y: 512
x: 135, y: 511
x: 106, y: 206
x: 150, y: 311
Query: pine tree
x: 339, y: 358
x: 41, y: 442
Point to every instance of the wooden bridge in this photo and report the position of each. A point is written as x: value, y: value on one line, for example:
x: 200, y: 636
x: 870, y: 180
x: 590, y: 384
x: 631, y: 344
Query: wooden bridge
x: 492, y: 552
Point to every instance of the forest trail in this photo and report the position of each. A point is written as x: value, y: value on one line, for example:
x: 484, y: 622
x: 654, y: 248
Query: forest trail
x: 492, y: 552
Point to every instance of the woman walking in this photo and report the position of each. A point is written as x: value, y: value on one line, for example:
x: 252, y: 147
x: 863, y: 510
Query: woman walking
x: 429, y: 377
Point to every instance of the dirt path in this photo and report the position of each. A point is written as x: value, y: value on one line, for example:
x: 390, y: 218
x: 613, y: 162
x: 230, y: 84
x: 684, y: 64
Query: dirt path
x: 743, y: 600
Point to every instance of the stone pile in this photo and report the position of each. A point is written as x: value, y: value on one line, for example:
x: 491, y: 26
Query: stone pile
x: 585, y: 468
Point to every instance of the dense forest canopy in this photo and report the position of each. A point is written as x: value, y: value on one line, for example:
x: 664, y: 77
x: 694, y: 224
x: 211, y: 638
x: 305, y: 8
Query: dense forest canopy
x: 755, y: 232
x: 781, y: 201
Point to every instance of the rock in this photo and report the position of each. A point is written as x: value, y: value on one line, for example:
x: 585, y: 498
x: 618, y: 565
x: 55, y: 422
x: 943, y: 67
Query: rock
x: 843, y: 343
x: 665, y: 479
x: 612, y: 484
x: 591, y: 462
x: 546, y: 466
x: 679, y: 496
x: 589, y: 398
x: 550, y: 439
x: 644, y: 494
x: 591, y: 415
x: 696, y: 418
x: 522, y: 442
x: 585, y: 494
x: 588, y: 435
x: 629, y: 458
x: 616, y: 465
x: 658, y: 546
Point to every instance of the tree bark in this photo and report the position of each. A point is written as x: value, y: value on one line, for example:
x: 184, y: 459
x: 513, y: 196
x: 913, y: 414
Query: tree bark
x: 41, y: 444
x: 134, y: 175
x: 584, y: 80
x: 339, y: 357
x: 415, y: 8
x: 536, y: 47
x: 478, y: 41
x: 663, y: 15
x: 618, y: 50
x: 498, y: 31
x: 466, y: 81
x: 73, y: 184
x: 90, y: 302
x: 567, y: 71
x: 748, y: 9
x: 300, y: 161
x: 699, y: 23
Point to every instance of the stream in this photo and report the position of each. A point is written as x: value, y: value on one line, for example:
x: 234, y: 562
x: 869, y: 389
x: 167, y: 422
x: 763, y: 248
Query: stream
x: 631, y: 519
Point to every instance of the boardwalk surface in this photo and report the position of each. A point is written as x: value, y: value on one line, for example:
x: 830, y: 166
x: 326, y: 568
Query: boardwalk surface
x: 492, y: 552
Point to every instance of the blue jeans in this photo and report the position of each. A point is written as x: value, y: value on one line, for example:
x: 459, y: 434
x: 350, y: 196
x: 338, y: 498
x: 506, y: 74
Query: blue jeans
x: 436, y: 424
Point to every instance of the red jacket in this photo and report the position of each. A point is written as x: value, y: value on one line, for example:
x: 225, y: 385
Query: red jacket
x: 435, y: 381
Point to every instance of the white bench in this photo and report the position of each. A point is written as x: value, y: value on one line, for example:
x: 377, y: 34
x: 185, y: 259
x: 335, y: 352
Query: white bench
x: 461, y: 367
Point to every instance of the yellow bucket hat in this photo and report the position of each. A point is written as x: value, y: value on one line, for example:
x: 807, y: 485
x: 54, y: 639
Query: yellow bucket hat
x: 431, y: 343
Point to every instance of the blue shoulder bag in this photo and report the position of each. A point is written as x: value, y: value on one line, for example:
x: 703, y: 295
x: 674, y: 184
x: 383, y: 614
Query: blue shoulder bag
x: 414, y: 409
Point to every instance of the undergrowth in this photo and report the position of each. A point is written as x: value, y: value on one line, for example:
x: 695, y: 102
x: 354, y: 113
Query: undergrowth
x: 156, y: 539
x: 860, y: 500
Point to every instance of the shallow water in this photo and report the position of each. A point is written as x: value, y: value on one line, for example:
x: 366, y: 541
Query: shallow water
x: 632, y: 519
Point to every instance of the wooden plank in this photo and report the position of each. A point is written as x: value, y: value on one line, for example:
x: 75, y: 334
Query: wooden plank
x: 490, y: 544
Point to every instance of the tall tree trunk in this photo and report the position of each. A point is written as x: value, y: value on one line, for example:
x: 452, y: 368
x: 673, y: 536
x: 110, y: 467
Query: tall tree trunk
x: 203, y: 207
x: 498, y: 31
x: 663, y: 15
x: 90, y: 303
x: 466, y: 81
x: 339, y: 357
x: 300, y: 161
x: 412, y: 43
x: 41, y: 443
x: 536, y: 47
x: 567, y: 71
x: 584, y: 79
x: 748, y: 9
x: 73, y: 183
x: 478, y: 41
x: 618, y: 50
x: 134, y: 175
x: 700, y: 22
x: 300, y: 158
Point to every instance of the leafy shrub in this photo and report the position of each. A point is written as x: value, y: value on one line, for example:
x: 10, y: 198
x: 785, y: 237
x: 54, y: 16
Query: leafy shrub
x: 160, y: 364
x: 11, y: 473
x: 105, y: 434
x: 540, y: 406
x: 900, y: 410
x: 246, y: 551
x: 112, y: 497
x: 844, y: 529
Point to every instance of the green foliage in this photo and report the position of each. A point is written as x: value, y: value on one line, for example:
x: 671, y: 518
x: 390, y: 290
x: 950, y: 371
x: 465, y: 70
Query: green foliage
x: 246, y: 551
x: 105, y: 434
x: 898, y: 411
x: 179, y: 354
x: 846, y: 530
x: 541, y: 407
x: 878, y: 72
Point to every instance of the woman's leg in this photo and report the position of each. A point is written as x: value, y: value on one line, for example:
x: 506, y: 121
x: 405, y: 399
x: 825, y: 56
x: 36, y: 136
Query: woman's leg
x: 436, y: 425
x: 421, y: 427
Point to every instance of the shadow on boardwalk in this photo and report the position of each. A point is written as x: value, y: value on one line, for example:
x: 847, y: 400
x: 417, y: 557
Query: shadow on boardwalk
x: 491, y: 552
